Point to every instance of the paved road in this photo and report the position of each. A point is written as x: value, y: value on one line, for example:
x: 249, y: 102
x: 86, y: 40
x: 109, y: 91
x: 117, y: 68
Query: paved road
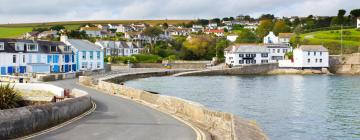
x: 120, y: 119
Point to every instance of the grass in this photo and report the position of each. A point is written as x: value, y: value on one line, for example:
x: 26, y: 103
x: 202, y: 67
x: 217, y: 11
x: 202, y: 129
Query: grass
x: 332, y: 40
x: 6, y: 32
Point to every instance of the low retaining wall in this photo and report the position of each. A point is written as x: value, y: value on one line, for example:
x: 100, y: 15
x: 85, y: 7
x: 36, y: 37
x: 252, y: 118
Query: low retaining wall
x: 27, y: 120
x: 221, y: 125
x: 346, y: 64
x: 39, y: 86
x: 250, y: 69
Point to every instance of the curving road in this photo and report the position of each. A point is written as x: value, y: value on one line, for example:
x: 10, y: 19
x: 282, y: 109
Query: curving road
x: 119, y: 119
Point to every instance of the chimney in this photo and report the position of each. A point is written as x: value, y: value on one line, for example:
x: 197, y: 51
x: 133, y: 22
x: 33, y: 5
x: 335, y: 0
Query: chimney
x: 63, y: 38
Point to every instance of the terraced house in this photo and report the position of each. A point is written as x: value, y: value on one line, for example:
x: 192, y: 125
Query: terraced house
x: 118, y: 48
x: 29, y: 56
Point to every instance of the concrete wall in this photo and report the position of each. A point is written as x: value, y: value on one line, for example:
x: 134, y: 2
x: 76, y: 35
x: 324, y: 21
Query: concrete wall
x: 39, y: 86
x: 26, y: 120
x: 249, y: 69
x: 221, y: 125
x: 346, y: 64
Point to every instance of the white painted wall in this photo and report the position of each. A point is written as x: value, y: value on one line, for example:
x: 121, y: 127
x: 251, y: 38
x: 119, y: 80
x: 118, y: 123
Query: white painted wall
x: 234, y: 58
x: 39, y: 86
x: 358, y: 23
x: 301, y: 60
x: 271, y: 39
x: 232, y: 38
x: 91, y: 64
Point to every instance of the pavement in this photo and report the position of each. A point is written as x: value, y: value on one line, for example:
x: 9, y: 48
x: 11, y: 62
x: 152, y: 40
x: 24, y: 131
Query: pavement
x: 116, y: 118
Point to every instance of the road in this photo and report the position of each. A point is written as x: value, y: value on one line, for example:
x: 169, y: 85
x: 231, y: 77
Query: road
x: 119, y: 119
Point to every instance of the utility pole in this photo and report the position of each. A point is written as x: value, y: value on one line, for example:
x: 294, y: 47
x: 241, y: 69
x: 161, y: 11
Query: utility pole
x: 341, y: 39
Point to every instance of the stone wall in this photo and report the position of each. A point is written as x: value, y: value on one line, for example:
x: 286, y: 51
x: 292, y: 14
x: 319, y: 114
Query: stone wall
x: 346, y: 64
x: 221, y: 125
x: 173, y: 65
x: 241, y: 70
x: 27, y: 120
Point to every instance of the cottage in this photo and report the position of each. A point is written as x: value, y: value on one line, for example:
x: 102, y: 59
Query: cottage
x: 88, y: 56
x: 246, y: 54
x: 277, y: 51
x: 218, y: 33
x: 48, y: 34
x: 212, y: 26
x: 28, y: 56
x: 197, y: 28
x: 173, y: 31
x: 308, y: 56
x: 284, y: 38
x: 30, y: 35
x: 123, y: 28
x: 271, y: 38
x: 232, y: 37
x: 92, y: 31
x: 118, y: 48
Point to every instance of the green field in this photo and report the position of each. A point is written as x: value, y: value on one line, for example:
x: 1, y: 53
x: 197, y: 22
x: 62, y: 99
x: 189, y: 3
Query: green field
x: 15, y: 30
x: 332, y: 40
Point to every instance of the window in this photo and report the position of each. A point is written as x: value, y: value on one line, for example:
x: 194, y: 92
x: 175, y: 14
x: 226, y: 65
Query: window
x: 98, y: 65
x: 84, y: 54
x: 14, y: 58
x: 316, y: 60
x: 264, y: 55
x: 84, y: 65
x: 2, y: 46
x: 53, y: 48
x: 91, y: 55
x: 67, y: 48
x: 32, y: 47
x: 253, y: 55
x: 241, y: 61
x: 284, y: 50
x: 278, y: 50
x: 320, y: 53
x: 247, y: 55
x: 264, y: 61
x: 23, y: 58
x: 314, y: 53
x: 273, y: 50
x: 308, y: 60
x: 308, y: 53
x: 254, y: 61
x: 247, y: 61
x: 18, y: 46
x: 320, y: 60
x: 232, y: 62
x: 98, y: 55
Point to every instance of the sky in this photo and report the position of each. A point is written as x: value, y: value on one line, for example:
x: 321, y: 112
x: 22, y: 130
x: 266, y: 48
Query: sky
x: 27, y: 11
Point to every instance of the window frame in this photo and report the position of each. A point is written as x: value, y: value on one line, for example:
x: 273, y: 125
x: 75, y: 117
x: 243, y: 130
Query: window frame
x: 29, y: 45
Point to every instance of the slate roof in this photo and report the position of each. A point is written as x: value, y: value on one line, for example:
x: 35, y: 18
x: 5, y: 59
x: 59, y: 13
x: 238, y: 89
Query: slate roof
x: 43, y: 46
x: 117, y: 44
x: 318, y: 48
x: 83, y: 45
x: 247, y: 48
x: 277, y: 45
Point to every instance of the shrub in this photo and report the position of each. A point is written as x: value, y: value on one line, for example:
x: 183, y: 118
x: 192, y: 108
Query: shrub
x: 9, y: 98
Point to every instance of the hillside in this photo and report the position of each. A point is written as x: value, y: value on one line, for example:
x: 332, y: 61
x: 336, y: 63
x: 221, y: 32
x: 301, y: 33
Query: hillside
x: 332, y: 40
x: 15, y: 30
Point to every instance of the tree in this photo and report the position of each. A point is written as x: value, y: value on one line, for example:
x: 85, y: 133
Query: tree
x: 264, y: 28
x: 280, y: 27
x: 200, y: 46
x: 202, y: 22
x: 340, y: 19
x: 246, y: 36
x: 355, y: 13
x: 221, y: 44
x: 153, y: 33
x: 267, y: 17
x: 341, y: 13
x: 39, y: 29
x: 9, y: 98
x: 225, y: 19
x: 216, y: 20
x: 57, y: 27
x: 165, y: 25
x: 231, y: 18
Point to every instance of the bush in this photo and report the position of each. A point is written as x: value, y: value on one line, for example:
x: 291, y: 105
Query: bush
x: 9, y: 98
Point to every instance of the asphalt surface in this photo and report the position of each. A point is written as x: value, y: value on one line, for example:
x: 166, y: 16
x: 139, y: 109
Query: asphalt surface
x: 116, y: 118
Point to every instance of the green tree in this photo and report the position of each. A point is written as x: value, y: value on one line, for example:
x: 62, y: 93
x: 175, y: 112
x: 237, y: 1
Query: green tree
x: 9, y: 98
x: 355, y: 13
x: 221, y: 44
x: 264, y: 28
x: 200, y: 47
x: 153, y: 33
x: 57, y: 27
x: 280, y: 27
x: 246, y: 36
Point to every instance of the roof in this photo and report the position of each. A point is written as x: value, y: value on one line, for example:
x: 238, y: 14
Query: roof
x: 117, y: 44
x: 285, y: 35
x: 134, y: 33
x: 83, y: 45
x: 247, y: 48
x: 90, y: 28
x: 318, y: 48
x: 33, y: 33
x: 178, y: 30
x: 215, y: 31
x: 277, y: 45
x: 43, y: 46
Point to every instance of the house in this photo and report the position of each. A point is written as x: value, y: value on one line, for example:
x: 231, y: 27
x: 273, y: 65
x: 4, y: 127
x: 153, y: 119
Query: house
x: 30, y: 35
x: 197, y: 28
x: 48, y: 34
x: 123, y: 28
x: 277, y: 51
x: 358, y: 23
x: 88, y: 56
x: 29, y: 56
x: 118, y: 48
x: 212, y: 26
x: 232, y: 37
x: 271, y: 38
x: 284, y: 38
x: 218, y: 33
x: 92, y: 31
x: 177, y: 31
x: 246, y: 54
x: 308, y: 57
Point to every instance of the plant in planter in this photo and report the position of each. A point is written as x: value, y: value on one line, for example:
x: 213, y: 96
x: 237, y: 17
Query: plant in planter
x: 290, y: 55
x: 9, y: 98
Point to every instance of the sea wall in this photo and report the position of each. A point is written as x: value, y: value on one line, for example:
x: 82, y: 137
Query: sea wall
x: 27, y: 120
x: 221, y: 125
x: 345, y: 64
x: 177, y: 65
x: 241, y: 70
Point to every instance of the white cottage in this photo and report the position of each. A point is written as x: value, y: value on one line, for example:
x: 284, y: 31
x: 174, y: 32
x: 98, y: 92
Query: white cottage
x: 246, y: 54
x: 277, y: 51
x: 308, y: 56
x: 271, y: 38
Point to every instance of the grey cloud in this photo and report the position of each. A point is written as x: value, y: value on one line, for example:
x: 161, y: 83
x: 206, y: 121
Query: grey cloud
x: 58, y: 10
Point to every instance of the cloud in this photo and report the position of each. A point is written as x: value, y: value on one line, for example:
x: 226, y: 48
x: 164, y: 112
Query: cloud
x: 12, y: 11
